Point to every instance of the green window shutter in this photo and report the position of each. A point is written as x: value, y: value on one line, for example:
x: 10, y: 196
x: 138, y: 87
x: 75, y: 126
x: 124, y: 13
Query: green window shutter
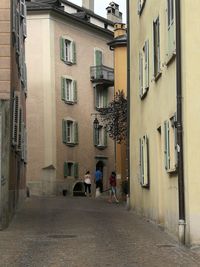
x: 73, y: 52
x: 95, y: 136
x: 75, y: 91
x: 75, y: 125
x: 141, y: 161
x: 64, y: 131
x: 96, y: 97
x: 65, y: 169
x: 105, y: 97
x: 76, y: 170
x: 146, y: 161
x: 98, y: 57
x: 146, y: 53
x: 105, y: 137
x: 62, y: 48
x: 167, y: 151
x: 140, y: 74
x: 63, y: 96
x: 15, y: 129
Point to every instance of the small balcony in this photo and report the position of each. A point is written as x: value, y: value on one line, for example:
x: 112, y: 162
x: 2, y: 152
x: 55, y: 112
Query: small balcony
x: 102, y: 74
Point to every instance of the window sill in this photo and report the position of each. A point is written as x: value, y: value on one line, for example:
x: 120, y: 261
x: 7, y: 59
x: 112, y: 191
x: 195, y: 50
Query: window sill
x: 69, y: 102
x: 69, y: 63
x: 170, y: 58
x: 172, y: 171
x: 145, y: 186
x: 144, y: 94
x: 157, y: 77
x: 71, y: 144
x: 100, y: 147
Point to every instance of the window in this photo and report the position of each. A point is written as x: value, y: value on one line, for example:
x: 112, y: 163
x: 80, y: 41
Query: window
x: 144, y: 162
x: 144, y: 69
x: 141, y: 4
x: 170, y: 141
x: 171, y: 28
x: 156, y: 49
x: 67, y: 50
x: 100, y: 137
x: 101, y: 97
x: 70, y: 132
x: 16, y: 119
x: 69, y: 90
x: 71, y: 169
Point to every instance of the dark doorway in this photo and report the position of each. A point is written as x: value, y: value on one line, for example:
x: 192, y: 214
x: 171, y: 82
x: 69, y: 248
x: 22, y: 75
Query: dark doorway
x: 79, y: 189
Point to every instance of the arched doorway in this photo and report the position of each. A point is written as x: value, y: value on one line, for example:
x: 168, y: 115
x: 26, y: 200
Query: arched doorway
x: 100, y: 166
x: 78, y: 189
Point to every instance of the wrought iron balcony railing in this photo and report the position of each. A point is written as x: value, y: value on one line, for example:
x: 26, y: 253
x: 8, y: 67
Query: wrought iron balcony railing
x: 102, y: 74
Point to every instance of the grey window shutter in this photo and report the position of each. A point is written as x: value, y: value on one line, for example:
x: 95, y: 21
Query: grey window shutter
x: 14, y: 16
x: 62, y: 48
x: 15, y: 130
x: 95, y: 136
x: 141, y: 161
x: 75, y: 125
x: 146, y: 64
x: 63, y: 96
x: 20, y: 135
x: 65, y: 169
x: 146, y: 161
x: 75, y: 94
x: 105, y: 137
x: 64, y: 131
x: 140, y: 74
x: 98, y: 57
x: 22, y: 8
x: 73, y: 52
x: 166, y: 151
x: 76, y: 170
x: 105, y: 97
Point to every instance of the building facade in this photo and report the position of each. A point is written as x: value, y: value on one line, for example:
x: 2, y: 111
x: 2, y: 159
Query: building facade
x: 119, y: 47
x: 70, y: 70
x: 164, y: 142
x: 12, y: 108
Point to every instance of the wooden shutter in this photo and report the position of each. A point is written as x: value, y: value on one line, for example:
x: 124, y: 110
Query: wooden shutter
x: 64, y: 131
x: 141, y: 161
x: 98, y: 57
x: 75, y: 170
x: 75, y: 91
x: 15, y: 129
x: 62, y: 48
x: 140, y: 74
x: 95, y: 136
x: 65, y: 169
x: 105, y: 137
x: 20, y: 138
x: 75, y: 132
x: 63, y: 96
x: 105, y: 97
x: 146, y: 55
x: 22, y: 8
x: 167, y: 144
x: 73, y: 52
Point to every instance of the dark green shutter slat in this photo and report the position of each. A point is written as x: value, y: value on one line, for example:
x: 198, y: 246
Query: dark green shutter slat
x: 65, y: 169
x: 75, y: 132
x: 63, y: 88
x: 105, y: 98
x: 98, y: 56
x: 76, y: 170
x: 73, y: 52
x: 75, y: 90
x: 105, y: 137
x: 95, y: 136
x: 64, y: 133
x: 62, y: 48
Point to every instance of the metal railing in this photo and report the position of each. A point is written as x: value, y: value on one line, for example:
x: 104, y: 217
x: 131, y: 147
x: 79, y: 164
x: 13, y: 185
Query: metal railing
x: 102, y: 73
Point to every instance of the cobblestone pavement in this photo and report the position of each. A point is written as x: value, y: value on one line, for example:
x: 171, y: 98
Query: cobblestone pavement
x: 84, y: 232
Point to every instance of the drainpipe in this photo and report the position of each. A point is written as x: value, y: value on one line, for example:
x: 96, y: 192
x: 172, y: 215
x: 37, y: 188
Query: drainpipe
x: 128, y: 101
x: 181, y: 191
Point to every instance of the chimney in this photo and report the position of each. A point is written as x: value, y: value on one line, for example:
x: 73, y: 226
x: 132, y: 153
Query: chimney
x: 89, y: 4
x: 119, y: 29
x: 113, y: 13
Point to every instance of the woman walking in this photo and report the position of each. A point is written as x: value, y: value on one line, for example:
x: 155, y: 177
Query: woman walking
x: 87, y: 183
x: 113, y: 183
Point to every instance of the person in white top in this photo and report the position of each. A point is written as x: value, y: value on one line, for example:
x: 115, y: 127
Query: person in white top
x: 87, y: 183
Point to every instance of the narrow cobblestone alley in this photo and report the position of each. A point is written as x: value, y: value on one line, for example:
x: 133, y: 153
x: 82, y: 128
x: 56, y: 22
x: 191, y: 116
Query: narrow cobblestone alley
x: 83, y: 232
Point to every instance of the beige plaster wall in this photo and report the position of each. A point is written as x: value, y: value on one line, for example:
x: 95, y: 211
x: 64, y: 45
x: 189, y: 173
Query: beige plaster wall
x: 191, y: 110
x: 46, y: 109
x: 160, y: 202
x: 85, y: 152
x: 40, y: 104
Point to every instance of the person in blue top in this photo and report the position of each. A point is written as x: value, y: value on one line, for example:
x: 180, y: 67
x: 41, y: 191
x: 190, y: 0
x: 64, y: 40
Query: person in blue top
x: 99, y: 180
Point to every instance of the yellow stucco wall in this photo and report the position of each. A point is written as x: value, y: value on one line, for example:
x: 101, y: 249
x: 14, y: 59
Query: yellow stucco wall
x: 160, y: 201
